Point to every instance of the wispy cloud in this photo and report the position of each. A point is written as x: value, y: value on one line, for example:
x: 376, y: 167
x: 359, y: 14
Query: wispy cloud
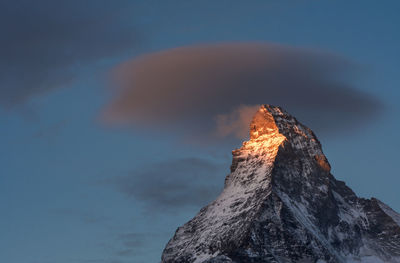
x: 173, y: 184
x: 44, y: 44
x: 236, y: 122
x: 132, y: 243
x: 86, y: 216
x: 51, y: 130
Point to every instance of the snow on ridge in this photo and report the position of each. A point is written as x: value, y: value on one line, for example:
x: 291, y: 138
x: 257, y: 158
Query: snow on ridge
x: 301, y: 213
x: 325, y: 222
x: 390, y: 212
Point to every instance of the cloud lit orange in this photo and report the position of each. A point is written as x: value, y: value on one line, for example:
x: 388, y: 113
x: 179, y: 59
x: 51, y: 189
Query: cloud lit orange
x: 194, y: 86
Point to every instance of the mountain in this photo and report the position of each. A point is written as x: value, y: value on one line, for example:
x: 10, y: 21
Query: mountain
x: 281, y: 204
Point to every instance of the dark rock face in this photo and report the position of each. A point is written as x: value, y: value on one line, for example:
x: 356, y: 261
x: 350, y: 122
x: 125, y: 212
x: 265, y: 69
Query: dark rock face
x: 281, y: 204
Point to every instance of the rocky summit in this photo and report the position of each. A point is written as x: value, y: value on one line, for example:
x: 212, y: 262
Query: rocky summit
x: 281, y: 204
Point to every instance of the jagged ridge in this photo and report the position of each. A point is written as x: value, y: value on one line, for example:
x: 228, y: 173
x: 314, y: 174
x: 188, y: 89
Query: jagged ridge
x: 280, y: 203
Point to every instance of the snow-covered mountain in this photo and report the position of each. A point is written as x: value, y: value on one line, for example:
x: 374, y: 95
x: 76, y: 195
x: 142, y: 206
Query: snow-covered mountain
x: 281, y: 204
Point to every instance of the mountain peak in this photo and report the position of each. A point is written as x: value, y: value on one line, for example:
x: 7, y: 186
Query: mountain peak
x: 271, y: 126
x: 280, y: 204
x: 263, y: 122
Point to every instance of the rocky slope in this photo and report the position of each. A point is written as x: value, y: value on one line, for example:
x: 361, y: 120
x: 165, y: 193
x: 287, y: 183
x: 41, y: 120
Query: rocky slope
x: 281, y: 204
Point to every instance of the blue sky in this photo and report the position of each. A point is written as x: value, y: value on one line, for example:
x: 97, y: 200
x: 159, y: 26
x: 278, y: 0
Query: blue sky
x: 76, y: 189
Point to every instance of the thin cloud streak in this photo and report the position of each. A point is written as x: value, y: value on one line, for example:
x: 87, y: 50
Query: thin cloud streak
x: 172, y: 185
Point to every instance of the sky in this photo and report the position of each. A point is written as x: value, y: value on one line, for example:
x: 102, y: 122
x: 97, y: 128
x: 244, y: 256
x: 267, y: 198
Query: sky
x: 118, y: 118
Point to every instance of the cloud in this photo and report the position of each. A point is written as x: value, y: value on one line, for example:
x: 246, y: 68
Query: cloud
x: 192, y: 88
x: 237, y: 122
x: 87, y: 217
x: 132, y: 240
x: 44, y: 44
x: 172, y: 184
x: 126, y: 246
x: 135, y: 245
x: 51, y: 130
